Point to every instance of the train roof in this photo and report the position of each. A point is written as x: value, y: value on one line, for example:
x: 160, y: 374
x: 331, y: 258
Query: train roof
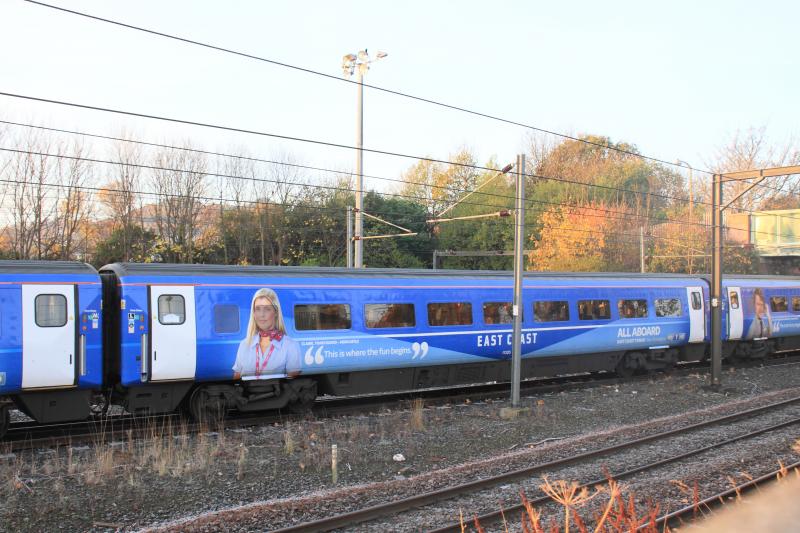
x: 16, y: 266
x: 166, y: 269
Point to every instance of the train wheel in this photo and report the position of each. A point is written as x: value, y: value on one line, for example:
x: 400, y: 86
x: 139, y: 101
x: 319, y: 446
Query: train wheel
x: 625, y: 367
x: 305, y: 399
x: 206, y: 408
x: 5, y: 420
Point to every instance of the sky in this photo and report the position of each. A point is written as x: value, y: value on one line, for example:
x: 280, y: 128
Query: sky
x: 677, y: 79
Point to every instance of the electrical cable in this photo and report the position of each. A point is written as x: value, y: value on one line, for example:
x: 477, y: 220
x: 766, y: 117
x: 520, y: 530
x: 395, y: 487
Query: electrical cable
x: 375, y: 87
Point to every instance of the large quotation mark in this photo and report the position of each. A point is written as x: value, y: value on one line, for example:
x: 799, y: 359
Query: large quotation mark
x: 317, y: 358
x: 420, y: 350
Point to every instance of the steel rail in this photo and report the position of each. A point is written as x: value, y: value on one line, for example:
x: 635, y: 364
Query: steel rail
x: 382, y: 510
x: 494, y: 517
x: 719, y: 498
x: 28, y: 435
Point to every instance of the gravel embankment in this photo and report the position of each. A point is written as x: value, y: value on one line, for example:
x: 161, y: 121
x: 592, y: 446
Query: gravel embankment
x: 277, y: 472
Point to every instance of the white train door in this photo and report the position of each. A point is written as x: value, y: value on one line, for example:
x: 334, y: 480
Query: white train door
x: 735, y: 315
x: 697, y: 315
x: 48, y: 336
x: 173, y: 333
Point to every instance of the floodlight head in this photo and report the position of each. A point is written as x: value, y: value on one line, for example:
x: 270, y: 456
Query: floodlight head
x: 381, y: 55
x: 363, y: 56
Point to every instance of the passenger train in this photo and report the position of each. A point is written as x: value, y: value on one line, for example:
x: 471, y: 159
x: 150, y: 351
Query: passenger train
x: 155, y: 338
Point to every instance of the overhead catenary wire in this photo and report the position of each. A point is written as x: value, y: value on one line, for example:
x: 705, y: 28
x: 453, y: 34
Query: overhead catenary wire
x: 322, y: 169
x: 338, y: 78
x: 315, y: 230
x: 265, y: 180
x: 330, y: 144
x: 216, y: 174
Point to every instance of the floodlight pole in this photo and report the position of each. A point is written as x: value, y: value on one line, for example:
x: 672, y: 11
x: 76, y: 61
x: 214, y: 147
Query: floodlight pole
x: 519, y: 247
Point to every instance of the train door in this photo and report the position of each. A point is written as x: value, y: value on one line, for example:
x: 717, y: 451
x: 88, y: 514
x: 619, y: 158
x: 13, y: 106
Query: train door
x: 697, y: 315
x: 173, y: 333
x: 48, y: 335
x: 735, y: 315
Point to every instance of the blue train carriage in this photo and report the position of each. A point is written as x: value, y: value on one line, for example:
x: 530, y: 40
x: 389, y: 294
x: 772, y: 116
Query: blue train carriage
x: 50, y: 340
x: 761, y: 316
x: 252, y: 338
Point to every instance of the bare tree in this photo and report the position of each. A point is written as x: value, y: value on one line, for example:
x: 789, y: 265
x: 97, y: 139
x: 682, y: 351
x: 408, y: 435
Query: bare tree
x: 238, y: 222
x: 178, y: 181
x: 32, y: 211
x: 122, y: 200
x: 275, y: 191
x: 73, y: 201
x: 751, y: 149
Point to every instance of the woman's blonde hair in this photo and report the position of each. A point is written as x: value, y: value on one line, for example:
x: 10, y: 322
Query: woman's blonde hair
x: 270, y: 295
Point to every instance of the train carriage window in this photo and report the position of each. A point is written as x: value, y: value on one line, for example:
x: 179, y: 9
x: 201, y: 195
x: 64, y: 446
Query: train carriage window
x: 450, y: 314
x: 171, y: 309
x: 594, y: 309
x: 778, y: 304
x: 666, y: 307
x: 697, y: 301
x: 498, y: 313
x: 226, y: 318
x: 51, y: 310
x: 389, y: 316
x: 632, y: 308
x: 734, y: 299
x: 322, y: 316
x: 557, y: 311
x: 795, y: 303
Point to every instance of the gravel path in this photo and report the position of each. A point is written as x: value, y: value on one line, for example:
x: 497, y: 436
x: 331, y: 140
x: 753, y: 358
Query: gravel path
x: 267, y: 476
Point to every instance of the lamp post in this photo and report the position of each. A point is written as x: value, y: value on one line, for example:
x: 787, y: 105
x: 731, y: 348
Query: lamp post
x: 359, y: 64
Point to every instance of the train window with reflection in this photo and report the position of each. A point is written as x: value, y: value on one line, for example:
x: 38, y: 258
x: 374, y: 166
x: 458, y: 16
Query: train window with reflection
x: 557, y: 311
x: 322, y: 316
x: 594, y: 309
x: 666, y: 307
x: 450, y: 314
x: 733, y: 296
x: 51, y: 310
x: 632, y: 308
x: 778, y: 304
x: 226, y: 318
x: 498, y: 313
x: 697, y: 301
x: 389, y: 315
x: 795, y: 303
x: 171, y: 309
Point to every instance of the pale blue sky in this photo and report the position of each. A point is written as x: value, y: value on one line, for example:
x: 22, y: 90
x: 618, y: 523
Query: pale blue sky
x: 675, y: 78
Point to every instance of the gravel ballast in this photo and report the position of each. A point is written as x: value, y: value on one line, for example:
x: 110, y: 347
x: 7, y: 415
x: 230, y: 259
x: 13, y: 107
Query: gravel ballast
x: 265, y: 477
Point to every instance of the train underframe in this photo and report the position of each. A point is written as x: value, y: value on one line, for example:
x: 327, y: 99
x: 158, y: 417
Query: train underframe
x: 209, y: 401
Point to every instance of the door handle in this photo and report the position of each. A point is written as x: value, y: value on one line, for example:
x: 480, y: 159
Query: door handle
x: 82, y: 355
x: 155, y: 355
x: 145, y: 370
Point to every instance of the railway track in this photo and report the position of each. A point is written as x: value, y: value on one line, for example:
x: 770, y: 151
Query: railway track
x: 372, y: 517
x: 23, y: 436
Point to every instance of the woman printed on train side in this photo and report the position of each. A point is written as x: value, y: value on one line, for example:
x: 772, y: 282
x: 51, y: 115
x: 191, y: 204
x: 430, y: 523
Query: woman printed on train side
x: 266, y: 351
x: 762, y: 321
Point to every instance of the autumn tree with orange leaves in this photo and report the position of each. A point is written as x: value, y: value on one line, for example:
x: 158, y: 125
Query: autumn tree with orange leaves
x: 591, y: 238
